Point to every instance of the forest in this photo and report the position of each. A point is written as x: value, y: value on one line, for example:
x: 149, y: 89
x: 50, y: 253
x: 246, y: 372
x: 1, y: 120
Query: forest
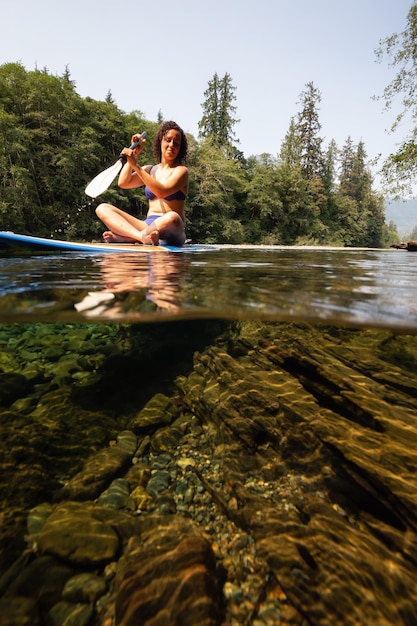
x: 53, y: 142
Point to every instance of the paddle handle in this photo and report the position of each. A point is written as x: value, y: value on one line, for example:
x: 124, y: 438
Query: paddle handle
x: 134, y: 145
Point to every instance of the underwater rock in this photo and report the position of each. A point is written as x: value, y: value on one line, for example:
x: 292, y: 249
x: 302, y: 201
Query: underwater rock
x: 127, y: 441
x: 159, y: 411
x: 332, y: 500
x: 101, y: 468
x: 158, y: 482
x: 277, y: 485
x: 69, y: 613
x: 167, y: 576
x: 74, y: 534
x: 42, y: 580
x: 141, y: 498
x: 19, y: 611
x: 84, y: 588
x: 37, y: 517
x: 117, y: 495
x: 12, y: 387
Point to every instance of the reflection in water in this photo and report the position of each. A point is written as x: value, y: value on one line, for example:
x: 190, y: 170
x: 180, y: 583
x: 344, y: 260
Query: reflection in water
x: 287, y: 448
x: 340, y: 286
x: 283, y: 456
x: 130, y: 287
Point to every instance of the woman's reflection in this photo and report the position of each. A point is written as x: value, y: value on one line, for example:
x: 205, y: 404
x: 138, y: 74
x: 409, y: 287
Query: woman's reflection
x: 137, y: 284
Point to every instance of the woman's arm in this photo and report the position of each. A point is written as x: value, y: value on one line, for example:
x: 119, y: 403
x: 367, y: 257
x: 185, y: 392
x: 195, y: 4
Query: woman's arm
x: 178, y: 180
x: 127, y: 178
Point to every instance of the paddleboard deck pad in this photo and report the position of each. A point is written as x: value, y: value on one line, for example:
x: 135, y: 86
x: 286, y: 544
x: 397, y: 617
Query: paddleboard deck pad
x: 14, y: 240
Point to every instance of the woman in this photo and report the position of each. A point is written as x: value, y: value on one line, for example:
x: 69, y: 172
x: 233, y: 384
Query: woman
x: 166, y: 186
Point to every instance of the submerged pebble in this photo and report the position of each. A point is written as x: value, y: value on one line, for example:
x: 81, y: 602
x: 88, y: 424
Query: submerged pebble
x: 222, y: 481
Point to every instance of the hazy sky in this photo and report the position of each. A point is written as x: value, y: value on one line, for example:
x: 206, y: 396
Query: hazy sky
x: 159, y: 56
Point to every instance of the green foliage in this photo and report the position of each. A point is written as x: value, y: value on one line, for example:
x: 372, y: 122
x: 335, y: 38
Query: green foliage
x: 291, y: 148
x: 356, y: 184
x: 216, y: 191
x: 308, y: 128
x: 218, y: 119
x: 413, y: 235
x: 53, y: 142
x: 390, y: 235
x: 400, y: 169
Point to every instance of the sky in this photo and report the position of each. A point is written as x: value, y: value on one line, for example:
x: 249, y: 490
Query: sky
x: 159, y: 57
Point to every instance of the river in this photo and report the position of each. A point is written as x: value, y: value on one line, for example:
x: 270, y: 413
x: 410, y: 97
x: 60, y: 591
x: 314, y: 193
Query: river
x: 334, y: 285
x: 287, y: 376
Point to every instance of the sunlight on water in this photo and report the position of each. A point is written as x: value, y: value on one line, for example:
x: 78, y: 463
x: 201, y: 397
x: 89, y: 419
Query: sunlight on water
x: 274, y: 415
x: 343, y: 286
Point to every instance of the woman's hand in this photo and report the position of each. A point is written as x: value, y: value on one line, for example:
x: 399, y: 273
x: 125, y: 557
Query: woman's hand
x: 142, y: 141
x: 136, y: 138
x: 130, y: 155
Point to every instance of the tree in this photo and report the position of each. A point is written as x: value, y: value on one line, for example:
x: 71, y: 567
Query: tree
x: 284, y: 205
x: 351, y: 171
x: 52, y: 142
x: 109, y: 98
x: 308, y: 127
x: 356, y: 184
x: 329, y: 209
x: 216, y: 203
x: 291, y: 148
x: 413, y: 234
x: 329, y: 167
x: 400, y: 169
x: 265, y: 205
x: 218, y: 121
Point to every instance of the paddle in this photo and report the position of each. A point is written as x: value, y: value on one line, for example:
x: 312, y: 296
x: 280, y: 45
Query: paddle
x: 102, y: 181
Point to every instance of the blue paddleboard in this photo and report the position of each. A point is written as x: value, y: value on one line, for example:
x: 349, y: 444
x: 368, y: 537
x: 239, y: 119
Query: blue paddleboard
x: 12, y: 240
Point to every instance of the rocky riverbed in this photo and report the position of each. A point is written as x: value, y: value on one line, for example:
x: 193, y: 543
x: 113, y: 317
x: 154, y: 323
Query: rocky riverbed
x: 252, y: 473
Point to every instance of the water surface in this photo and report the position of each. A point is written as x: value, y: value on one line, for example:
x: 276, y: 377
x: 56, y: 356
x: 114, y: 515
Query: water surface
x: 366, y: 287
x: 297, y: 371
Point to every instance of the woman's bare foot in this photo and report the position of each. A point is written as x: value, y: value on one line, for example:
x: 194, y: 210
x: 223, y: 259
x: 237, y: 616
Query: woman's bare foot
x: 110, y: 237
x: 151, y: 238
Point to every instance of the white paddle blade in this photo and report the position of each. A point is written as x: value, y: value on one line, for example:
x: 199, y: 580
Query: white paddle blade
x: 102, y: 181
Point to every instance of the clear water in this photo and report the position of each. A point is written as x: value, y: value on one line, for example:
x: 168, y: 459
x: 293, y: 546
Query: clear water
x: 347, y: 372
x: 365, y: 287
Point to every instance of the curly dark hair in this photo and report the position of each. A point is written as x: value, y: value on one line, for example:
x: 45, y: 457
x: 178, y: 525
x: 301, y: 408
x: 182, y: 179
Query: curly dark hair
x: 156, y: 148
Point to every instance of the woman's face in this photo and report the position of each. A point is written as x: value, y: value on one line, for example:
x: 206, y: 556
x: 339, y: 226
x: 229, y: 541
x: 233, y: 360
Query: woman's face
x: 171, y: 144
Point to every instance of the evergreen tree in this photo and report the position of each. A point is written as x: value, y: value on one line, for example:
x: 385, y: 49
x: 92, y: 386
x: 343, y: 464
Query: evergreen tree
x: 209, y: 123
x: 356, y: 184
x: 67, y: 76
x: 267, y: 216
x: 218, y: 121
x: 308, y: 128
x: 329, y: 167
x: 329, y: 210
x: 348, y: 170
x: 291, y: 148
x: 216, y: 203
